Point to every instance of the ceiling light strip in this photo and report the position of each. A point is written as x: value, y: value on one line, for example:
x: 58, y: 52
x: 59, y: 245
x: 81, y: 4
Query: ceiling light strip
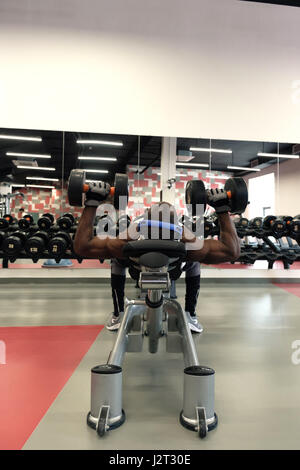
x: 18, y: 137
x: 95, y: 171
x: 203, y: 165
x: 27, y: 155
x: 44, y: 168
x: 243, y: 168
x: 100, y: 142
x: 206, y: 149
x: 109, y: 159
x: 41, y: 178
x: 276, y: 155
x: 39, y: 186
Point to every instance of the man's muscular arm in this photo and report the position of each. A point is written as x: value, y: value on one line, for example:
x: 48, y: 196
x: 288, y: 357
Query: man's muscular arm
x: 227, y: 248
x: 89, y: 246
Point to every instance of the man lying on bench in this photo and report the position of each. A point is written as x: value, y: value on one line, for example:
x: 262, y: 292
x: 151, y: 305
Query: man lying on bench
x: 227, y: 248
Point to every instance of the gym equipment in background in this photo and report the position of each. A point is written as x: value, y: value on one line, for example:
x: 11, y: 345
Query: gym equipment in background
x: 25, y: 222
x: 6, y: 221
x: 36, y: 244
x: 59, y: 244
x: 256, y: 223
x: 5, y: 202
x: 14, y: 243
x: 294, y: 227
x: 65, y: 222
x: 45, y: 222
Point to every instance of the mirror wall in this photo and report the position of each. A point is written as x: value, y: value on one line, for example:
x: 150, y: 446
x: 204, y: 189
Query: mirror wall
x: 31, y: 172
x: 35, y: 166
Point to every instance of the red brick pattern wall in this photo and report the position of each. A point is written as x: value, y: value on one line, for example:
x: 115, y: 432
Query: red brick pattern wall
x: 41, y: 200
x: 143, y: 192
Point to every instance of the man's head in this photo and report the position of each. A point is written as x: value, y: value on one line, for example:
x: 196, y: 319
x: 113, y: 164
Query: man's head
x: 164, y: 218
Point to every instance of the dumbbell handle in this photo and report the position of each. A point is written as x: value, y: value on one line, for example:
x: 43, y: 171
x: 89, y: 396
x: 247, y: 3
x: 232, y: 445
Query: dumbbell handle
x: 229, y: 194
x: 86, y: 188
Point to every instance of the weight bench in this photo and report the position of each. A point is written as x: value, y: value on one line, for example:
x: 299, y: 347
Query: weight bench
x: 156, y: 263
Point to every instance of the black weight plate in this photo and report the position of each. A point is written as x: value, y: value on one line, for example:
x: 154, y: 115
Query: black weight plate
x: 195, y: 193
x: 45, y: 221
x: 294, y: 228
x: 3, y: 223
x: 25, y: 222
x: 14, y: 243
x: 256, y: 222
x: 64, y: 223
x: 239, y: 194
x: 9, y: 218
x: 121, y: 189
x: 49, y: 216
x: 279, y: 226
x: 75, y: 188
x: 70, y: 216
x: 58, y: 246
x: 63, y: 235
x: 268, y: 221
x: 36, y: 244
x: 29, y: 218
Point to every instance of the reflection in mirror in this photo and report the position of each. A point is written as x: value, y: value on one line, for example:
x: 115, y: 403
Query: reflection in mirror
x: 30, y: 185
x: 37, y: 164
x: 144, y: 175
x: 271, y: 171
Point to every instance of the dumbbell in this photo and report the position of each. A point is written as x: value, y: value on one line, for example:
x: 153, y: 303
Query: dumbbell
x: 241, y: 222
x: 25, y: 222
x: 235, y: 189
x: 279, y: 227
x: 59, y: 244
x: 275, y: 224
x: 66, y: 221
x: 37, y: 244
x: 45, y: 222
x: 77, y: 187
x: 256, y: 223
x: 287, y: 218
x: 268, y: 221
x: 14, y: 243
x: 294, y: 227
x: 6, y: 221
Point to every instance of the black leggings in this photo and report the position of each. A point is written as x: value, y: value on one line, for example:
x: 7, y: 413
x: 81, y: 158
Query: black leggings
x: 192, y: 289
x: 192, y: 285
x: 118, y: 287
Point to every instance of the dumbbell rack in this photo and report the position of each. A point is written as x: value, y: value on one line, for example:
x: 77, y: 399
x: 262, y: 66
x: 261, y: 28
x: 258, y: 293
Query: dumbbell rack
x: 265, y: 248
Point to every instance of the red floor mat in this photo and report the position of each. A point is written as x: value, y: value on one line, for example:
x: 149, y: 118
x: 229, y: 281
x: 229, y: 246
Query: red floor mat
x: 290, y: 288
x: 39, y: 362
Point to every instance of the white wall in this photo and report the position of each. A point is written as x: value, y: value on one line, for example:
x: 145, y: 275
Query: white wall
x: 287, y: 180
x: 209, y: 68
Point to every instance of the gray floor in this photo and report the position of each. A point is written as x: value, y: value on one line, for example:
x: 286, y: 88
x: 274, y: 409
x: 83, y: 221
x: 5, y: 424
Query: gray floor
x: 247, y: 340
